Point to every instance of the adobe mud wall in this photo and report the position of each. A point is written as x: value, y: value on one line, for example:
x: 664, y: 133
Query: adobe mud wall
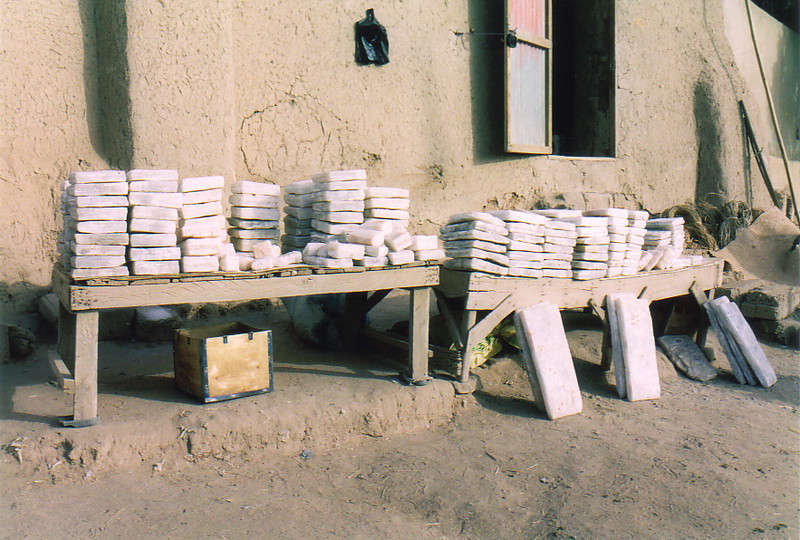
x: 270, y: 90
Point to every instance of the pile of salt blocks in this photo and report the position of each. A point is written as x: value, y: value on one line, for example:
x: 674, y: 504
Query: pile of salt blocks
x: 388, y: 204
x: 255, y: 218
x: 338, y: 203
x: 664, y: 241
x: 93, y: 240
x: 155, y: 204
x: 299, y: 210
x: 476, y: 241
x: 202, y: 228
x: 526, y: 237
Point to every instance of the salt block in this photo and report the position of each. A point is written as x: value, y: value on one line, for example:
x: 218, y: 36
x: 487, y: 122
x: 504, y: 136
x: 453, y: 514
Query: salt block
x: 615, y: 229
x: 314, y: 248
x: 475, y: 265
x: 516, y: 245
x: 627, y: 271
x: 589, y: 265
x: 200, y: 183
x: 617, y: 246
x: 152, y: 174
x: 388, y: 204
x: 583, y: 256
x: 617, y: 238
x: 299, y: 212
x: 616, y: 345
x: 479, y: 244
x: 560, y: 240
x: 229, y: 263
x: 153, y: 240
x: 584, y: 248
x: 202, y: 196
x: 255, y: 188
x: 340, y: 250
x: 200, y: 246
x: 376, y: 251
x: 100, y: 201
x: 245, y: 262
x: 253, y: 223
x: 154, y: 186
x: 588, y: 221
x: 332, y: 228
x: 556, y: 273
x: 525, y: 264
x: 297, y: 223
x: 635, y: 240
x: 524, y: 272
x: 563, y: 258
x: 354, y: 218
x: 289, y: 258
x: 99, y: 214
x: 558, y: 213
x: 373, y: 262
x: 616, y: 256
x: 387, y: 192
x: 154, y: 212
x: 657, y: 235
x: 330, y: 262
x: 736, y: 325
x: 383, y: 225
x: 398, y: 240
x: 477, y: 216
x: 83, y: 249
x: 638, y: 215
x: 367, y: 237
x: 84, y: 273
x: 687, y: 357
x: 473, y: 253
x: 97, y: 261
x: 567, y: 229
x: 637, y: 224
x: 266, y: 248
x: 99, y: 227
x: 200, y: 263
x: 141, y: 268
x: 668, y: 257
x: 548, y: 361
x: 583, y: 275
x: 302, y: 187
x: 617, y: 222
x: 429, y: 254
x: 476, y: 234
x: 339, y: 206
x: 340, y: 185
x: 638, y: 348
x: 99, y: 188
x: 191, y: 211
x: 247, y: 199
x: 421, y: 242
x: 302, y: 200
x: 107, y: 239
x: 167, y: 200
x: 154, y: 254
x: 608, y: 212
x: 93, y: 177
x: 736, y: 359
x: 401, y: 257
x: 264, y: 263
x: 335, y: 176
x: 556, y: 248
x: 667, y: 224
x: 264, y: 234
x: 382, y: 213
x: 295, y: 241
x: 249, y: 212
x: 339, y: 195
x: 524, y: 228
x: 528, y: 238
x: 519, y: 216
x: 200, y: 230
x: 226, y: 249
x: 139, y: 225
x: 464, y: 226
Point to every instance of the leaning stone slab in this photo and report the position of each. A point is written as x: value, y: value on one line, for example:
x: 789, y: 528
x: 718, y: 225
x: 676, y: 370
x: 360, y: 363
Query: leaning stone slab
x: 687, y: 357
x: 635, y: 328
x: 733, y: 321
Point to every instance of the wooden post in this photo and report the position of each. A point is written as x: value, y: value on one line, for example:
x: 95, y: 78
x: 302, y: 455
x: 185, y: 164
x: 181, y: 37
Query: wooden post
x: 419, y: 322
x: 66, y: 336
x: 85, y: 371
x: 467, y: 322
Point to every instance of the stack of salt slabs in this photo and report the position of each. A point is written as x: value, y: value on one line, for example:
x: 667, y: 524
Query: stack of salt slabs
x: 664, y: 242
x: 593, y: 250
x: 559, y: 242
x: 617, y: 231
x: 202, y: 226
x: 388, y: 204
x: 476, y: 241
x: 338, y: 200
x: 299, y: 212
x: 255, y: 217
x: 525, y: 249
x: 155, y: 202
x: 637, y: 221
x: 267, y: 255
x: 95, y: 207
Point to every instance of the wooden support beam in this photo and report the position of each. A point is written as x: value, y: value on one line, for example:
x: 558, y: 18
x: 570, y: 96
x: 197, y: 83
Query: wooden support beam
x: 447, y: 314
x: 85, y: 401
x: 480, y: 330
x: 419, y: 330
x: 467, y: 322
x: 375, y: 298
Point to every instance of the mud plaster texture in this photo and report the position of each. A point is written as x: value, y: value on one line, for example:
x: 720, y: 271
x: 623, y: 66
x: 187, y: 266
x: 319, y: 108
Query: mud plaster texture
x: 272, y: 93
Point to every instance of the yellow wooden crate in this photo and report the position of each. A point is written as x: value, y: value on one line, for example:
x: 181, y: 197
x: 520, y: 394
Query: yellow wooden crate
x: 223, y: 361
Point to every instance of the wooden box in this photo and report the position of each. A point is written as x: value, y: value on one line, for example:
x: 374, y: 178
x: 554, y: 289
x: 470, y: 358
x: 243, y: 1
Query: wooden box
x: 223, y: 361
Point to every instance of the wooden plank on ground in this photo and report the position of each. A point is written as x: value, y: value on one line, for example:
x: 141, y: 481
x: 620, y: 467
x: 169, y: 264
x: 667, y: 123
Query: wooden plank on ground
x: 733, y: 320
x: 548, y: 359
x: 638, y: 348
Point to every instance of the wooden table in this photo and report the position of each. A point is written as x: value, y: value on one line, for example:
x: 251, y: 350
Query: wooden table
x: 82, y: 303
x: 501, y: 296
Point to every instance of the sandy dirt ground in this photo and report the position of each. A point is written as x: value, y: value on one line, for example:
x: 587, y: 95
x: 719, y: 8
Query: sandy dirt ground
x: 707, y: 460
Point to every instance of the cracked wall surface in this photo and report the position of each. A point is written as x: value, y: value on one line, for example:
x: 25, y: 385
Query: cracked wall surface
x: 270, y: 91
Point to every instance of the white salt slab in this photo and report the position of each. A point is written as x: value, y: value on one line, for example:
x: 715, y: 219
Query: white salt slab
x: 245, y: 262
x: 387, y: 192
x: 548, y: 361
x: 83, y: 273
x: 478, y: 244
x: 475, y: 265
x: 355, y: 218
x: 200, y: 263
x: 152, y: 174
x: 153, y: 240
x: 608, y: 212
x: 340, y: 185
x: 155, y: 186
x: 367, y: 237
x: 474, y: 253
x: 554, y: 226
x: 313, y: 248
x: 304, y: 200
x: 332, y: 228
x: 525, y: 247
x: 519, y: 216
x: 199, y: 183
x: 591, y: 231
x: 665, y: 223
x: 92, y: 177
x: 167, y: 200
x: 154, y: 254
x: 398, y: 240
x: 638, y: 348
x: 200, y: 230
x: 335, y: 176
x: 191, y: 211
x: 525, y: 264
x: 465, y: 217
x: 635, y: 240
x: 589, y: 265
x: 584, y: 248
x: 738, y: 328
x: 255, y: 213
x: 558, y: 213
x: 474, y: 225
x: 549, y: 247
x: 99, y: 188
x: 266, y: 248
x: 108, y: 239
x: 593, y: 240
x: 83, y: 249
x: 387, y: 203
x: 264, y: 263
x: 618, y: 230
x: 560, y: 240
x: 247, y: 199
x: 524, y: 256
x: 424, y: 242
x: 476, y: 234
x: 628, y: 271
x: 556, y: 273
x: 139, y: 225
x: 562, y: 259
x: 617, y: 246
x: 377, y: 251
x: 429, y: 254
x: 200, y: 246
x: 582, y: 256
x: 386, y: 226
x: 253, y: 223
x: 202, y: 196
x: 739, y: 366
x: 401, y: 257
x: 637, y: 223
x: 289, y: 258
x: 617, y: 222
x: 337, y: 206
x: 145, y: 268
x: 638, y: 215
x: 583, y: 275
x: 524, y: 228
x: 373, y: 262
x: 99, y: 227
x: 526, y: 238
x: 154, y: 212
x: 617, y: 256
x: 254, y: 233
x: 327, y: 262
x: 342, y: 250
x: 255, y: 188
x: 100, y: 201
x: 525, y: 272
x: 587, y: 221
x: 302, y: 187
x: 668, y: 257
x: 382, y: 213
x: 616, y: 345
x: 340, y: 195
x: 99, y: 214
x: 299, y: 212
x: 229, y: 263
x: 97, y: 261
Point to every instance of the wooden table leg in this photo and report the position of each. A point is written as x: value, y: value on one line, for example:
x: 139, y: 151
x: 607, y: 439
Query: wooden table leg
x: 85, y: 370
x: 467, y: 322
x: 419, y: 321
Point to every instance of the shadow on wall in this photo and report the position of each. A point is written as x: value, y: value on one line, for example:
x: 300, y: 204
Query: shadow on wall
x: 106, y: 80
x: 487, y: 76
x: 711, y: 186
